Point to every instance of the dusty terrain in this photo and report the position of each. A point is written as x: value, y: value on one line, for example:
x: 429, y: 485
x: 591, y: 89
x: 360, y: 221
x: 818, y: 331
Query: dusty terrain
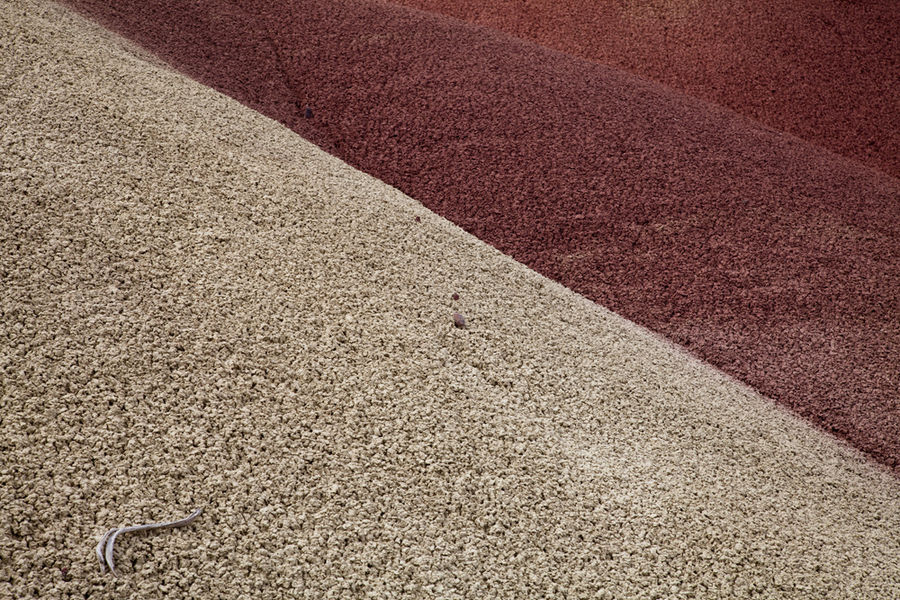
x: 771, y: 258
x: 201, y: 308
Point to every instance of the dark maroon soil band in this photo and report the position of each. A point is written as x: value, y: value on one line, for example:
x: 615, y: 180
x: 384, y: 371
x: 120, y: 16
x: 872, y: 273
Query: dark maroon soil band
x: 826, y: 71
x: 774, y: 260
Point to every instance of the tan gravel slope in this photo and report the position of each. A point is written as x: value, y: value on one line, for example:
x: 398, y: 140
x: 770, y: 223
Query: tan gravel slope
x: 200, y: 308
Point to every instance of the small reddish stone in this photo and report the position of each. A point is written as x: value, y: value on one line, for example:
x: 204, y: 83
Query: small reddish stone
x: 418, y: 219
x: 459, y: 320
x: 455, y: 296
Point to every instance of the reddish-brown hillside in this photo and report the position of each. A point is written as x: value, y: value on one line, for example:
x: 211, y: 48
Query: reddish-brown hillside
x: 826, y: 71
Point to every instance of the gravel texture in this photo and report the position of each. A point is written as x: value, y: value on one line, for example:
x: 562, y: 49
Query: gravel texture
x: 201, y: 309
x: 774, y: 260
x: 824, y: 70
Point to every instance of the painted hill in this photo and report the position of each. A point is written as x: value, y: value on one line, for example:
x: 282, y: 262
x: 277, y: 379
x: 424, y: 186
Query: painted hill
x: 774, y: 260
x: 201, y: 308
x: 825, y: 71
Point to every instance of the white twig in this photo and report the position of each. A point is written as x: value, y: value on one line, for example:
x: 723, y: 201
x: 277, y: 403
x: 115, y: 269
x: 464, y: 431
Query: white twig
x: 100, y: 549
x: 109, y: 538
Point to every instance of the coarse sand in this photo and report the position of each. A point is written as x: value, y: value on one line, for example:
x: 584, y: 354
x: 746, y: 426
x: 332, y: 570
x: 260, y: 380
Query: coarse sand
x: 826, y: 71
x: 200, y: 308
x: 772, y: 259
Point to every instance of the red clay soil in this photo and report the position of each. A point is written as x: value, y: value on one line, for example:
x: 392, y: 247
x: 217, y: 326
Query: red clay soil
x: 827, y: 71
x: 769, y: 257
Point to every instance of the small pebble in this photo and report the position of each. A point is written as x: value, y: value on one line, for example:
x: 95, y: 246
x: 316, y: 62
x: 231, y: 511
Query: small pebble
x: 418, y: 219
x: 459, y: 320
x: 455, y: 296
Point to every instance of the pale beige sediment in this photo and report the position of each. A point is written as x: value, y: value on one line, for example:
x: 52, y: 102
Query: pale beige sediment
x: 199, y: 308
